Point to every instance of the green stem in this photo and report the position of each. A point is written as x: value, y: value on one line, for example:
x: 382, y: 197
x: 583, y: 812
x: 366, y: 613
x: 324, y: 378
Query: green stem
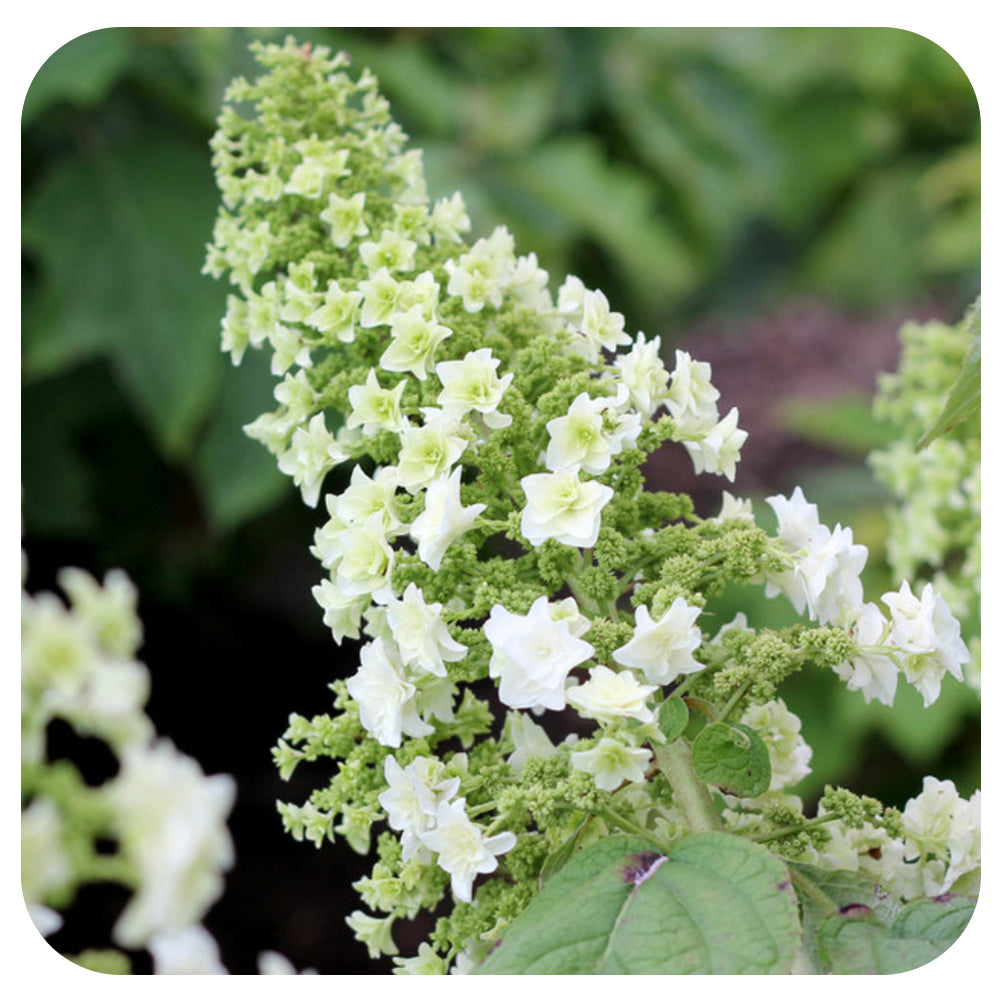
x: 795, y: 829
x: 690, y: 793
x: 733, y: 700
x: 807, y: 887
x: 481, y: 808
x: 616, y: 819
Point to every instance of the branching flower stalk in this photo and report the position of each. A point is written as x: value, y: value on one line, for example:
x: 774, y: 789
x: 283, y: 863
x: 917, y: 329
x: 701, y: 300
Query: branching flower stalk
x: 525, y: 605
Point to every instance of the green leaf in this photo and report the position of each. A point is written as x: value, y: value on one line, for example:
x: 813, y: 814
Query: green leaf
x: 238, y: 477
x: 615, y: 206
x: 118, y: 235
x: 937, y: 920
x: 843, y: 422
x: 81, y: 72
x: 846, y: 889
x: 964, y: 398
x: 859, y: 942
x: 732, y: 757
x: 673, y: 719
x: 857, y: 945
x: 717, y: 905
x: 561, y: 855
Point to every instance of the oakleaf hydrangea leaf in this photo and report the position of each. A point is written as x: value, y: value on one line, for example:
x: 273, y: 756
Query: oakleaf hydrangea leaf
x: 673, y: 718
x: 856, y: 942
x: 732, y: 757
x: 717, y: 904
x: 964, y: 397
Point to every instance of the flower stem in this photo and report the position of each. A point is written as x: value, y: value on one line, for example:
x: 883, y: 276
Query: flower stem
x: 733, y: 700
x: 616, y: 819
x: 807, y: 887
x: 795, y: 829
x: 690, y: 793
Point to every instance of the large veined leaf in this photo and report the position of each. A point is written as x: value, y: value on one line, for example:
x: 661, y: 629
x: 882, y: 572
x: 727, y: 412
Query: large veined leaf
x: 964, y: 397
x: 81, y: 72
x: 118, y: 235
x: 860, y: 944
x: 718, y: 904
x: 870, y: 933
x: 238, y: 476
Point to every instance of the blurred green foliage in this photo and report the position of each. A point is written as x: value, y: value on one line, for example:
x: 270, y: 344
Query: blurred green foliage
x: 676, y: 169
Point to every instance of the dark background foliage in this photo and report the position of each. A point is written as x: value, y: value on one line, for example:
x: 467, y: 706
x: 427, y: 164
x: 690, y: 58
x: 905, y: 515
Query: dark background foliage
x: 774, y: 200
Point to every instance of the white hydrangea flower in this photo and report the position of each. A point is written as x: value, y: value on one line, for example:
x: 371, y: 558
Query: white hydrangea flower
x: 529, y: 284
x: 870, y: 671
x: 529, y: 739
x: 421, y: 634
x: 109, y: 609
x: 798, y: 519
x: 345, y: 217
x: 376, y: 409
x: 271, y: 430
x: 412, y: 799
x: 562, y: 507
x: 692, y: 397
x: 780, y: 730
x: 532, y: 655
x: 926, y: 631
x: 46, y: 866
x: 580, y: 439
x: 59, y: 651
x: 734, y: 508
x: 471, y: 383
x: 412, y: 221
x: 385, y: 696
x: 375, y: 933
x: 336, y: 314
x: 391, y: 251
x: 944, y: 831
x: 826, y: 565
x: 664, y: 649
x: 481, y: 275
x: 289, y: 349
x: 321, y: 163
x: 299, y: 296
x: 569, y: 300
x: 426, y: 962
x: 430, y: 450
x: 269, y: 962
x: 297, y: 397
x: 235, y: 328
x: 380, y: 298
x: 359, y: 555
x: 717, y: 448
x: 602, y: 328
x: 186, y: 951
x: 449, y: 219
x: 423, y: 291
x: 313, y: 452
x: 366, y: 496
x: 341, y: 613
x: 443, y: 519
x: 612, y: 763
x: 609, y: 695
x: 415, y: 339
x: 643, y: 374
x: 868, y: 850
x: 566, y: 609
x: 463, y: 849
x: 171, y: 826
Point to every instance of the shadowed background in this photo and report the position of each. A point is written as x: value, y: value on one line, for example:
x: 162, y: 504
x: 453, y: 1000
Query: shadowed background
x: 775, y: 200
